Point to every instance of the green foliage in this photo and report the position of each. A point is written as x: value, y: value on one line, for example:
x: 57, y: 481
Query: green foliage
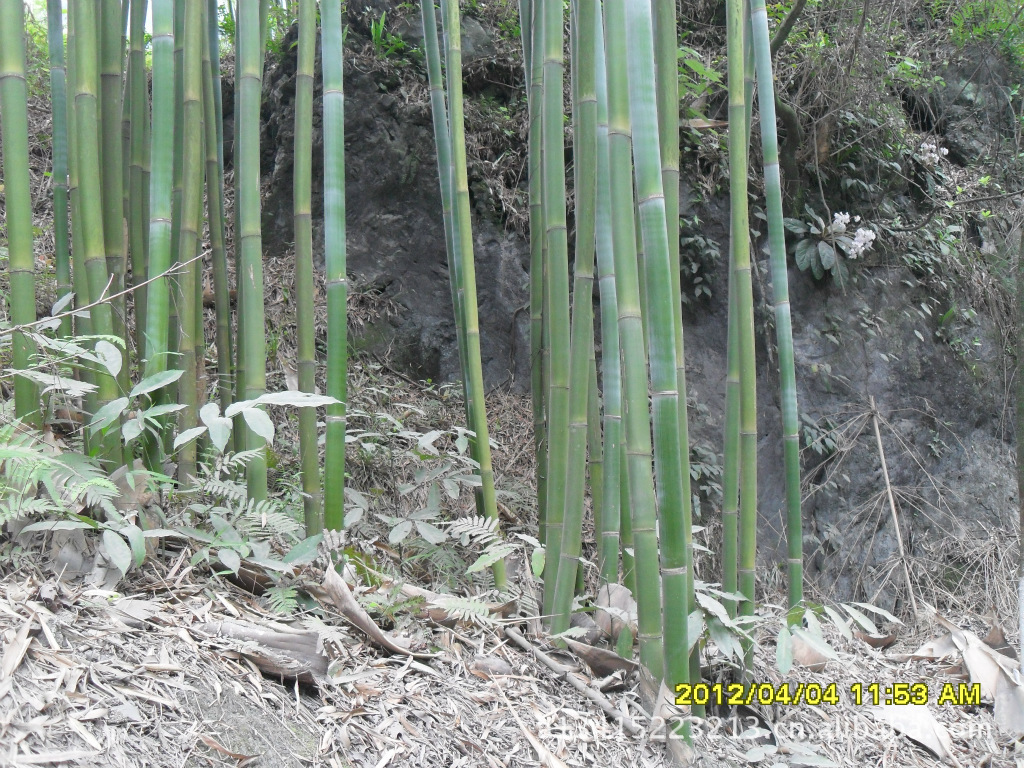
x: 699, y: 256
x: 819, y: 434
x: 824, y: 248
x: 992, y: 21
x: 385, y: 43
x: 696, y: 78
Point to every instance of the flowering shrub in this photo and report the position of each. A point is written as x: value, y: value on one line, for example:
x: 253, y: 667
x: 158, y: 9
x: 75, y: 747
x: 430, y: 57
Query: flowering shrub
x: 930, y: 154
x: 822, y: 247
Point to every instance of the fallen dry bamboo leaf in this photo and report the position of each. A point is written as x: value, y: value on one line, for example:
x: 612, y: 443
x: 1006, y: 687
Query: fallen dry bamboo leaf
x: 807, y: 656
x: 341, y: 596
x: 616, y: 610
x: 212, y: 744
x: 876, y: 641
x: 918, y: 724
x: 1009, y: 705
x: 16, y: 650
x: 602, y: 662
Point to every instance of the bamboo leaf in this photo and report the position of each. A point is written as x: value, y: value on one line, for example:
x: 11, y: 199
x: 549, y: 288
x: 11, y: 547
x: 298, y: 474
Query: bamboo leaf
x: 784, y: 650
x: 303, y: 552
x: 155, y: 382
x: 188, y: 434
x: 230, y: 558
x: 119, y: 553
x: 260, y: 423
x: 107, y: 415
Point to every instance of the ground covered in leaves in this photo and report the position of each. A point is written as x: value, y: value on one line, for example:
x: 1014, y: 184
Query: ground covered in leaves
x: 178, y: 667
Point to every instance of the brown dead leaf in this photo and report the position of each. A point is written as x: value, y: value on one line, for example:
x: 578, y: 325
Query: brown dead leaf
x: 807, y: 656
x: 996, y: 640
x: 616, y: 610
x: 243, y: 760
x: 876, y: 641
x: 341, y: 596
x: 918, y: 724
x: 934, y: 649
x: 602, y: 662
x: 1009, y: 705
x: 486, y: 667
x: 16, y: 650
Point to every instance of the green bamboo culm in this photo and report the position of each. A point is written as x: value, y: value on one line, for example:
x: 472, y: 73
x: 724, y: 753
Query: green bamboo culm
x: 740, y: 249
x: 581, y: 337
x: 671, y: 464
x: 193, y: 160
x: 309, y: 450
x: 731, y: 450
x: 112, y: 160
x: 174, y: 325
x: 442, y: 143
x: 334, y: 257
x: 59, y: 107
x: 90, y: 235
x: 213, y: 131
x: 138, y: 224
x: 607, y: 527
x: 160, y: 183
x: 642, y: 503
x: 780, y: 292
x: 247, y: 165
x: 463, y: 223
x: 533, y: 38
x: 18, y: 199
x: 556, y: 278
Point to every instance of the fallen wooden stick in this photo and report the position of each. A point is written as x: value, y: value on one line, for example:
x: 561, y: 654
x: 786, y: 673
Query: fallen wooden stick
x: 571, y: 677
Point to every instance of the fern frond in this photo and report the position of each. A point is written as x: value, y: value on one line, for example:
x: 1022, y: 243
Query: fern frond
x: 477, y: 530
x: 467, y: 609
x: 282, y: 600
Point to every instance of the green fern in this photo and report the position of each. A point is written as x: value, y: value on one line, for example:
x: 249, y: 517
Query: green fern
x: 467, y: 609
x: 282, y: 600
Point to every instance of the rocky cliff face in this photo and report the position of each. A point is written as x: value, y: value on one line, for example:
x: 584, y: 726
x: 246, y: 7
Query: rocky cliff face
x: 939, y: 376
x: 396, y: 246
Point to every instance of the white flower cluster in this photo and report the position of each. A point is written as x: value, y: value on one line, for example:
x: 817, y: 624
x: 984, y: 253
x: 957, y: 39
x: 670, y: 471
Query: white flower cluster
x: 839, y: 222
x: 931, y: 153
x: 862, y: 241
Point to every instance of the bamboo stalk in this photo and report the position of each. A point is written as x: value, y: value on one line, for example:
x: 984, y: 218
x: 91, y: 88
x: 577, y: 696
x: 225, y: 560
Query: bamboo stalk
x: 557, y: 284
x: 138, y: 223
x: 581, y: 339
x: 112, y: 161
x: 309, y: 450
x: 474, y: 375
x: 191, y: 221
x: 740, y: 245
x: 213, y: 128
x: 334, y: 256
x: 160, y: 192
x: 780, y: 292
x: 671, y: 465
x: 100, y: 281
x: 607, y: 531
x: 247, y: 166
x: 636, y: 414
x: 59, y: 106
x: 18, y: 199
